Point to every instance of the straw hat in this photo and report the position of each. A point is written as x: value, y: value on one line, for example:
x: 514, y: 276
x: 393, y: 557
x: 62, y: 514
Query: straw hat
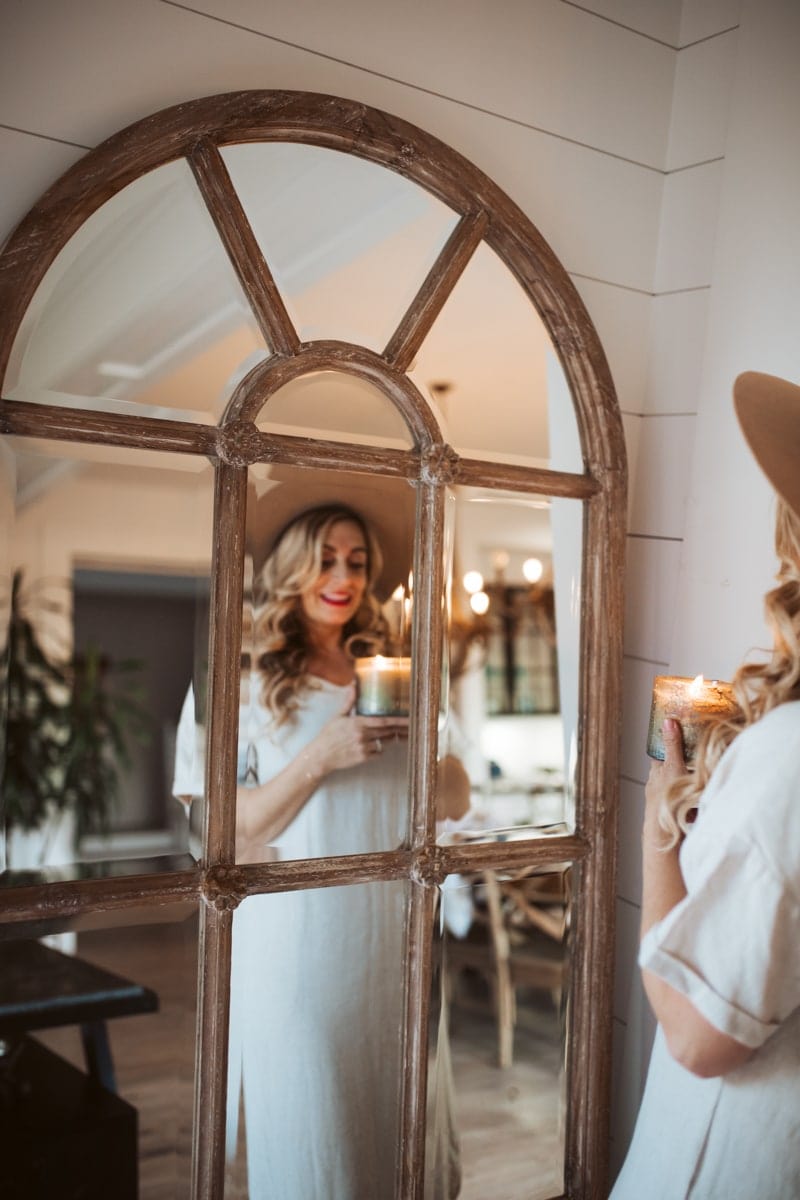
x: 386, y: 505
x: 768, y: 409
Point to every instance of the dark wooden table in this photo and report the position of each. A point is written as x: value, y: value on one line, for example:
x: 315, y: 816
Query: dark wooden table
x: 41, y: 988
x: 64, y: 1133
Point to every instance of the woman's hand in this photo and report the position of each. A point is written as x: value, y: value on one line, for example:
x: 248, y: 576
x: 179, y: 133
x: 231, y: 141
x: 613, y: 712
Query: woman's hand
x: 349, y: 740
x: 662, y: 776
x: 264, y: 811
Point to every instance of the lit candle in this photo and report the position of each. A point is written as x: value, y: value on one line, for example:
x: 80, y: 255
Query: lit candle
x: 384, y: 686
x: 692, y: 702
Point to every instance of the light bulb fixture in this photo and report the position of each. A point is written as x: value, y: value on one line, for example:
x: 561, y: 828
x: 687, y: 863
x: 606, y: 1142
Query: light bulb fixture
x: 473, y: 582
x: 532, y: 569
x: 479, y: 603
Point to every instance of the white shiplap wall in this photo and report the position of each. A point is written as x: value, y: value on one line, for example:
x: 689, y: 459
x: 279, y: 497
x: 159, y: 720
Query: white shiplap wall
x: 728, y: 295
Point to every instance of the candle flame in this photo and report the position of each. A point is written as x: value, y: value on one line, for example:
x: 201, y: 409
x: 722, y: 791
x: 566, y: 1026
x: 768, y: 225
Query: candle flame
x: 696, y: 686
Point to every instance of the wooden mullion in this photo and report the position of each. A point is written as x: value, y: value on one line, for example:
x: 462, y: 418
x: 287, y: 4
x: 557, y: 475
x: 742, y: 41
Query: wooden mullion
x: 476, y: 472
x: 462, y: 858
x: 427, y: 659
x: 329, y: 354
x: 328, y: 455
x: 27, y: 419
x: 242, y: 246
x: 227, y: 580
x: 69, y: 899
x: 415, y: 325
x: 589, y: 1040
x: 250, y: 879
x: 225, y: 647
x: 410, y: 1181
x: 211, y: 1053
x: 72, y: 899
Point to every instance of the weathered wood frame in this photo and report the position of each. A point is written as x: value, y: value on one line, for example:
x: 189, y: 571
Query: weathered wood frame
x: 195, y: 131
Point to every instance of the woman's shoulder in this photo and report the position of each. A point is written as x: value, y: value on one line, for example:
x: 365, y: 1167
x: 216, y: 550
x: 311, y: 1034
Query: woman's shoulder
x: 756, y: 795
x: 768, y: 748
x: 777, y: 733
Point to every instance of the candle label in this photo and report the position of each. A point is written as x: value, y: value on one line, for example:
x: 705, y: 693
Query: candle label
x: 692, y: 702
x: 383, y: 686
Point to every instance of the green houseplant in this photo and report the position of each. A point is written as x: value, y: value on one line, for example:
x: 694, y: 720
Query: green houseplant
x: 68, y: 726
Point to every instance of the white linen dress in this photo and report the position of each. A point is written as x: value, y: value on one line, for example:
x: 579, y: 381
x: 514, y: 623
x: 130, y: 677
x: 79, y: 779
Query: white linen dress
x: 317, y: 976
x: 732, y: 946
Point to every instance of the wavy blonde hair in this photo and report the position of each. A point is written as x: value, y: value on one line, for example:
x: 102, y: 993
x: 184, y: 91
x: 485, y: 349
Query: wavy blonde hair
x: 280, y: 633
x: 758, y: 687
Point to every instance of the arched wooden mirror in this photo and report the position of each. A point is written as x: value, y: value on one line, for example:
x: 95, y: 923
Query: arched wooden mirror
x: 264, y: 291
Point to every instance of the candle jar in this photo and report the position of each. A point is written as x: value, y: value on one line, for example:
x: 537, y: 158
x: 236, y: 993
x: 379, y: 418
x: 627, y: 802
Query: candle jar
x: 692, y: 702
x: 383, y: 686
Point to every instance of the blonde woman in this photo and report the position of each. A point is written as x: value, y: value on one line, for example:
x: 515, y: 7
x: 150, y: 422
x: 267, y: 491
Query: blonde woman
x: 317, y: 975
x: 720, y: 949
x: 319, y: 613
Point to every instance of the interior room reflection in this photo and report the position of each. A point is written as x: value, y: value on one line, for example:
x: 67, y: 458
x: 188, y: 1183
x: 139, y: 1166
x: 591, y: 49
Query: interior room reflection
x: 115, y: 550
x: 512, y: 651
x: 498, y: 1030
x: 110, y: 551
x: 325, y: 682
x: 97, y: 1056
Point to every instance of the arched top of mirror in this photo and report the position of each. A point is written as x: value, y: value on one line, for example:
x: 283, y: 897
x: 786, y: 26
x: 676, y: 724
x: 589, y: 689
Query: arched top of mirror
x: 251, y: 319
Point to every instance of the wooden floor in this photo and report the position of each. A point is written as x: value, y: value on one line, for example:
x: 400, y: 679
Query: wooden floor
x: 508, y: 1120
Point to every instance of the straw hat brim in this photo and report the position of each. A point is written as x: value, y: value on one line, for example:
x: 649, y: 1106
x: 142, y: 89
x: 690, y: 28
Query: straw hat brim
x: 385, y: 504
x: 768, y: 409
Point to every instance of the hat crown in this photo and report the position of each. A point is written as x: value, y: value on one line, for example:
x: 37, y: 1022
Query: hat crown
x: 768, y: 409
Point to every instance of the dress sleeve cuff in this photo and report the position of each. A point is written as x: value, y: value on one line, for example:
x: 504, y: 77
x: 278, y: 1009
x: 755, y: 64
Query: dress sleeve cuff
x: 719, y: 1012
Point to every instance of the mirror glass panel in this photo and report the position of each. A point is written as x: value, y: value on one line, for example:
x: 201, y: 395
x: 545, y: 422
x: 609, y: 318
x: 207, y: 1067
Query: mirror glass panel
x: 497, y: 1046
x: 97, y: 1063
x: 489, y: 367
x: 348, y: 242
x: 109, y: 558
x: 323, y: 720
x: 315, y: 1042
x: 513, y: 652
x: 337, y: 407
x: 141, y: 312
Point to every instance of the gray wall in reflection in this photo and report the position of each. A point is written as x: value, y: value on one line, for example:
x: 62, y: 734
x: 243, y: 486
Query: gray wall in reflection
x: 143, y: 618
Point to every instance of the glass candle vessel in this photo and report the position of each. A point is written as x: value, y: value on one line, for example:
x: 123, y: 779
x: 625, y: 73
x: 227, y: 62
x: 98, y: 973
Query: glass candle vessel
x: 692, y: 702
x: 383, y: 686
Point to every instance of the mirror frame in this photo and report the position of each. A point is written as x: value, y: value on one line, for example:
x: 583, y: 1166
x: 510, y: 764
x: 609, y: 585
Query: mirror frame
x: 195, y: 131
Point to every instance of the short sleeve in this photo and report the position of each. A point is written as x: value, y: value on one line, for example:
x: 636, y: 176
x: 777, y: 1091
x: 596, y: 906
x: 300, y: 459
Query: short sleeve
x: 731, y: 946
x: 189, y: 776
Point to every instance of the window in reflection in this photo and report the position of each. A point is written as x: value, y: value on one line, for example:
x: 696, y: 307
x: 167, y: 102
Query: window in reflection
x: 97, y: 1069
x: 141, y: 312
x: 337, y: 407
x: 514, y: 660
x: 315, y: 1042
x: 110, y: 554
x: 348, y: 265
x: 322, y: 760
x: 489, y: 367
x: 498, y: 1050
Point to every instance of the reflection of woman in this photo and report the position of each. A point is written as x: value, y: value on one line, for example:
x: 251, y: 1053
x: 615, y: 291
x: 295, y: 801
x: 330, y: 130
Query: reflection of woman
x: 317, y: 975
x: 720, y: 950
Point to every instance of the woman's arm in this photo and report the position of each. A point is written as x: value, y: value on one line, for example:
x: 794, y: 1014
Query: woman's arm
x: 692, y: 1040
x: 264, y: 811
